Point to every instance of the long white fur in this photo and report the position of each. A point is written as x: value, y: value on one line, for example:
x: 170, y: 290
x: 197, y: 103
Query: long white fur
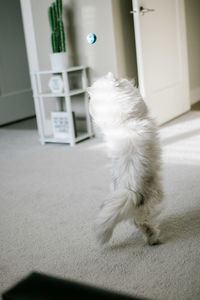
x: 133, y: 145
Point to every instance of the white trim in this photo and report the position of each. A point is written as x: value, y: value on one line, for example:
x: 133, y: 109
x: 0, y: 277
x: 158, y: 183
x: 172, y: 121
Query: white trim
x: 72, y: 93
x: 29, y: 34
x: 17, y: 92
x: 85, y: 85
x: 72, y: 69
x: 195, y: 95
x: 115, y: 69
x: 68, y: 107
x: 138, y: 44
x: 32, y: 54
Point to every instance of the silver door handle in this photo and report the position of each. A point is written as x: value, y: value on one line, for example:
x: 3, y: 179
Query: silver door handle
x: 144, y: 10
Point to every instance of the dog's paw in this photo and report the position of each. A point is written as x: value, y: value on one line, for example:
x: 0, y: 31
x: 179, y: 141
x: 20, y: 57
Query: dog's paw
x: 154, y: 242
x: 103, y: 237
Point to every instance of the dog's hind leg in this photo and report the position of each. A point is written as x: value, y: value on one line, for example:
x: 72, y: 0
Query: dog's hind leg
x: 147, y: 222
x: 146, y: 214
x: 151, y: 233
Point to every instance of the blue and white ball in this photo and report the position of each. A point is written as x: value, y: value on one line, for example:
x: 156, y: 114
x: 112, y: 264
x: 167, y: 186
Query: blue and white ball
x: 91, y: 38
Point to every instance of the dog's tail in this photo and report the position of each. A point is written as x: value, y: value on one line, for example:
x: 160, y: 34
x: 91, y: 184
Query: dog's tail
x: 118, y: 206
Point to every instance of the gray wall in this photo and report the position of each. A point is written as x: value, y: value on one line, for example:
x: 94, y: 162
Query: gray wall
x: 192, y: 10
x: 16, y: 101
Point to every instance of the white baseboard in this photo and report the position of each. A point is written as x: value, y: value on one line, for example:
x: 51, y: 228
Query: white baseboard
x: 195, y: 95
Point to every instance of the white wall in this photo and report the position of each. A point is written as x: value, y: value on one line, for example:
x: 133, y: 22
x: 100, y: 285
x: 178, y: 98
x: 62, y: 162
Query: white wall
x: 192, y: 11
x: 83, y: 17
x: 42, y: 31
x: 80, y: 18
x: 109, y: 19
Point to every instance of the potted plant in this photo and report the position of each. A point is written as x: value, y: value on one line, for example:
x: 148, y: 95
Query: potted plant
x: 58, y: 58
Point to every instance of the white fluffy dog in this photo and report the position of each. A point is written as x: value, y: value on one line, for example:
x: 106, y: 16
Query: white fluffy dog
x: 131, y: 135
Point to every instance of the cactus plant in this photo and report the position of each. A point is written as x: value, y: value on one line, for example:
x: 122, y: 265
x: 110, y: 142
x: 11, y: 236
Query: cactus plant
x: 57, y: 28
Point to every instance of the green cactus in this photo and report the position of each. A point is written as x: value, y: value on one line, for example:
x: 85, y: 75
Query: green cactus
x: 59, y: 8
x: 57, y: 27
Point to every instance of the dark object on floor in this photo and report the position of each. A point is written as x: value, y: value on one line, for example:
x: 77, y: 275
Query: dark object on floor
x: 39, y: 286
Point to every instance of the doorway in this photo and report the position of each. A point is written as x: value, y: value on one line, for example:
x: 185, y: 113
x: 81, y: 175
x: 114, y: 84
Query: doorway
x: 124, y: 34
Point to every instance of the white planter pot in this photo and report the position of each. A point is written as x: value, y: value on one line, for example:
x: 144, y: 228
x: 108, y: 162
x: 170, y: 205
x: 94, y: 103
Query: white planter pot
x: 59, y: 61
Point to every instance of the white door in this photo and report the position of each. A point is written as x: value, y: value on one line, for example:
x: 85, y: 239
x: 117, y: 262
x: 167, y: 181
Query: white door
x: 16, y: 101
x: 162, y: 56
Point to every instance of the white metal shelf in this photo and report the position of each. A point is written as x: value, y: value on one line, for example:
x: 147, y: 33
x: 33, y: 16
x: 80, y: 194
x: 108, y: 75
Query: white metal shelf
x: 76, y: 92
x: 80, y: 137
x: 72, y: 69
x: 71, y: 93
x: 67, y: 94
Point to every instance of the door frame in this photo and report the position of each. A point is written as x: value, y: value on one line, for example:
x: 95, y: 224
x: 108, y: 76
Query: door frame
x: 138, y: 48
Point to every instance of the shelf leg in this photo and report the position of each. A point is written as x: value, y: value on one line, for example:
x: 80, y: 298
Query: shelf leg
x: 72, y: 143
x: 69, y: 108
x: 88, y: 120
x: 36, y: 87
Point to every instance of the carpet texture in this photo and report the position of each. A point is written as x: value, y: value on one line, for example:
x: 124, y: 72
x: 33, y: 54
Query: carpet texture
x: 50, y: 196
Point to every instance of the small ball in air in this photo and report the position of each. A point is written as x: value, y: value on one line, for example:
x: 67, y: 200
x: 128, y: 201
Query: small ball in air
x: 91, y: 38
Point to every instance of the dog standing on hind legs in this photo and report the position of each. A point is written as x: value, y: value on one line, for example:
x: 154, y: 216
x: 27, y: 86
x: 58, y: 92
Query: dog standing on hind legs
x: 133, y: 146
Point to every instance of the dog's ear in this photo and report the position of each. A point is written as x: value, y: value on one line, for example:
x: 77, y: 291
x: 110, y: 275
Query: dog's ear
x: 110, y: 76
x: 113, y: 78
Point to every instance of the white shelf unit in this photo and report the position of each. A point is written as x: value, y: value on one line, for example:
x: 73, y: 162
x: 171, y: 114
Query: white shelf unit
x: 68, y: 93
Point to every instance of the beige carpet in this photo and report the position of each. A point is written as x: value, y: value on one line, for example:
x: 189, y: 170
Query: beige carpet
x: 49, y: 197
